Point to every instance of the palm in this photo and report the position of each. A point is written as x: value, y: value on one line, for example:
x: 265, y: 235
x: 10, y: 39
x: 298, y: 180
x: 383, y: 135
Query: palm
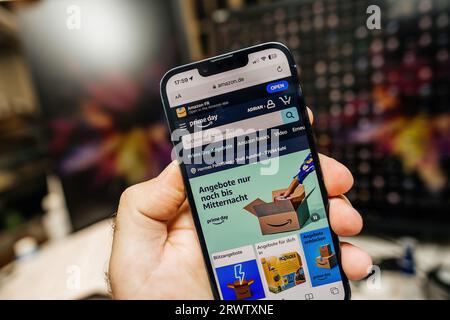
x: 183, y: 262
x: 164, y: 264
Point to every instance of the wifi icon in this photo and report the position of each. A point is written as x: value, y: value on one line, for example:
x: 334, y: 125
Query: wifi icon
x: 263, y: 58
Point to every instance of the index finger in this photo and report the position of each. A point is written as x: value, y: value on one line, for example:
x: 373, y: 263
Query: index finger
x: 338, y: 179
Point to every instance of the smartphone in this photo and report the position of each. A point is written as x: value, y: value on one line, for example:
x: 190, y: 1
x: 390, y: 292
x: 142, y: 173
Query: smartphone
x: 244, y: 142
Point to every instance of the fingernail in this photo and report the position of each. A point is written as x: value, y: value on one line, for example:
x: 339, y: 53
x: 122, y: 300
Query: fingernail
x: 168, y: 169
x: 171, y: 177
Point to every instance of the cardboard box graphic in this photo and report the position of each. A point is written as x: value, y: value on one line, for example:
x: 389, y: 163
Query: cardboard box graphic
x: 296, y: 197
x: 284, y: 213
x: 299, y: 201
x: 283, y: 272
x: 325, y: 250
x: 321, y: 270
x: 276, y: 217
x: 288, y: 210
x: 242, y: 290
x: 251, y: 206
x: 326, y: 262
x: 327, y: 258
x: 238, y: 274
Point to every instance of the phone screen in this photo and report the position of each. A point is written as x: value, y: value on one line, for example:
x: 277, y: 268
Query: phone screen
x: 253, y: 179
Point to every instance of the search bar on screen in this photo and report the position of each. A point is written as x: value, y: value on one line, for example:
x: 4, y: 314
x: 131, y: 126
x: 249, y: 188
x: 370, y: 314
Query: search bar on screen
x: 242, y: 127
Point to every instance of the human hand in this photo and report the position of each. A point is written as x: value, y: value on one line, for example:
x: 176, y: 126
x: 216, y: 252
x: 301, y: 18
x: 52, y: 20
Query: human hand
x: 156, y: 253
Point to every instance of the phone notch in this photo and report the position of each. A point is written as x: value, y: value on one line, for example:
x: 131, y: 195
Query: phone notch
x: 222, y: 64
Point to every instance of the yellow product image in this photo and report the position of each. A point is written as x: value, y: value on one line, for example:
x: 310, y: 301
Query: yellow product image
x: 283, y: 272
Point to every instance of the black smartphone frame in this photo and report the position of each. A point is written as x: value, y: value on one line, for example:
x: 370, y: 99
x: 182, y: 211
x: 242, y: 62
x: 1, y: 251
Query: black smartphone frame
x: 227, y: 61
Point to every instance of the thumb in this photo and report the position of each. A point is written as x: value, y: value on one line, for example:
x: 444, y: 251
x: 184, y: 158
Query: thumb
x: 159, y: 198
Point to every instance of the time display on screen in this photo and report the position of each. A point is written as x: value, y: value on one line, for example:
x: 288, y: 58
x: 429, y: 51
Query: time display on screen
x: 183, y: 80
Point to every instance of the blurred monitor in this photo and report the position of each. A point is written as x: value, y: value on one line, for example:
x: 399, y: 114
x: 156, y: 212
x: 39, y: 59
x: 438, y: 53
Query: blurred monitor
x: 96, y: 67
x: 380, y: 97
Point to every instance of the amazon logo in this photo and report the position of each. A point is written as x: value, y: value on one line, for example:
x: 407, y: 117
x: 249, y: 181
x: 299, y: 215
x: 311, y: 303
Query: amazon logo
x: 204, y: 122
x: 217, y: 220
x: 288, y: 222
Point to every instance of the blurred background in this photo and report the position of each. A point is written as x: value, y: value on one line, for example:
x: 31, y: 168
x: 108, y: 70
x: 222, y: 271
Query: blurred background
x: 81, y: 119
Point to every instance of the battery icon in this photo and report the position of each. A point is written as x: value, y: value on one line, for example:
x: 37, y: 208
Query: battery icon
x: 272, y: 56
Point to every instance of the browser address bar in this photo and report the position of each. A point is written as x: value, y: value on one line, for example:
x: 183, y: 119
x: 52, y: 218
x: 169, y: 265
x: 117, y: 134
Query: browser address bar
x: 238, y: 128
x: 230, y: 83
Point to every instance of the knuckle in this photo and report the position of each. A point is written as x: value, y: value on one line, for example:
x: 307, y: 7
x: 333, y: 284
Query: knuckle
x: 128, y: 195
x: 125, y: 196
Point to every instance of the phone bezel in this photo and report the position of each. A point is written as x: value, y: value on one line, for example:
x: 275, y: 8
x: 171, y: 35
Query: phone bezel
x: 309, y: 133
